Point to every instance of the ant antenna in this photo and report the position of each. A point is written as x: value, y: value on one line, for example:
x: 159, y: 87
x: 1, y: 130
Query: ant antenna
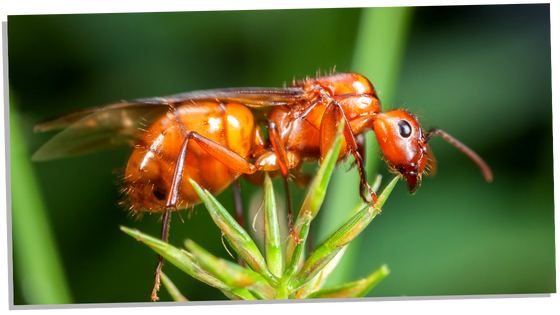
x: 486, y: 171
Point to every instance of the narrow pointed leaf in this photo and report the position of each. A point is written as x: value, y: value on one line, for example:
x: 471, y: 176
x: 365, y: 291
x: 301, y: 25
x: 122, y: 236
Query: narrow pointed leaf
x: 310, y: 287
x: 180, y: 259
x: 329, y: 268
x: 352, y: 289
x: 352, y: 228
x: 239, y: 294
x: 172, y: 289
x: 236, y: 236
x: 297, y: 253
x: 231, y: 273
x: 327, y: 271
x: 273, y: 247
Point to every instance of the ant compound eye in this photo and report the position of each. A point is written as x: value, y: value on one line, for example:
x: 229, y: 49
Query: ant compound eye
x: 404, y: 129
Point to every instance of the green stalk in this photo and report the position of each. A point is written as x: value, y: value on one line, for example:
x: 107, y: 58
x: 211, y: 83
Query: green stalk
x: 273, y: 247
x: 38, y: 263
x: 352, y: 289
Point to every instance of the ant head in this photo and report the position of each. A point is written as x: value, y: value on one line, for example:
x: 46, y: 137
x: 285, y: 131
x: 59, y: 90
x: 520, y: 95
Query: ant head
x: 404, y: 145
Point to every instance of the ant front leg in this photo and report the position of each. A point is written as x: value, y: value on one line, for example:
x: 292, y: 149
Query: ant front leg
x: 329, y: 125
x: 218, y: 151
x: 361, y: 142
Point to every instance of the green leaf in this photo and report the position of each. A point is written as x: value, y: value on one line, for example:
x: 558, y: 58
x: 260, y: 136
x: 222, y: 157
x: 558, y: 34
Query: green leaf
x: 239, y: 294
x: 236, y: 236
x: 329, y: 268
x: 180, y: 259
x: 273, y: 248
x: 172, y: 289
x: 38, y: 260
x: 231, y: 273
x: 353, y: 289
x: 352, y: 228
x: 311, y: 286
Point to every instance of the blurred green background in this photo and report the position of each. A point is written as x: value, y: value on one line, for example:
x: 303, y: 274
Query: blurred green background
x: 481, y: 73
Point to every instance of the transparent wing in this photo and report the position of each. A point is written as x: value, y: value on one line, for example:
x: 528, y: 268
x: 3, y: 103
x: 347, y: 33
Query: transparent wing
x: 252, y: 97
x: 98, y: 129
x: 118, y: 124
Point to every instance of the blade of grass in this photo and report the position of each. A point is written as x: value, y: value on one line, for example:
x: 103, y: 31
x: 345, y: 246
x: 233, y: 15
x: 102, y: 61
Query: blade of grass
x: 231, y: 273
x: 273, y: 248
x: 310, y: 287
x: 352, y: 289
x: 327, y: 271
x: 187, y: 263
x: 238, y: 294
x: 348, y: 232
x: 172, y: 289
x: 236, y: 236
x: 39, y: 265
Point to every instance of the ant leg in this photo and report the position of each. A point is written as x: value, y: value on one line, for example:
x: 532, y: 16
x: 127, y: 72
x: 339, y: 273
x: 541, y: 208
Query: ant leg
x: 164, y: 236
x: 361, y: 142
x: 170, y: 205
x: 280, y: 152
x: 329, y: 124
x: 220, y: 153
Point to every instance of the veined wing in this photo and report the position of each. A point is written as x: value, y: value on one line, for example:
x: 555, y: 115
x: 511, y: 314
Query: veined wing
x: 96, y: 129
x: 117, y: 124
x: 252, y: 97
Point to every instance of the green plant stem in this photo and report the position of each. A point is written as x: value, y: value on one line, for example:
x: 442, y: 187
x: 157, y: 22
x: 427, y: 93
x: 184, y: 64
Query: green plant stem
x: 273, y: 248
x: 38, y: 263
